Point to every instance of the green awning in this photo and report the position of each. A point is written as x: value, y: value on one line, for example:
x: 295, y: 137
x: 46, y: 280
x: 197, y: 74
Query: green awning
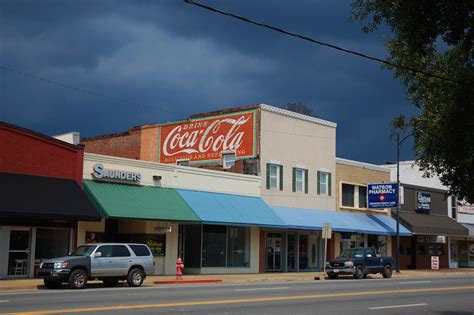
x: 126, y: 201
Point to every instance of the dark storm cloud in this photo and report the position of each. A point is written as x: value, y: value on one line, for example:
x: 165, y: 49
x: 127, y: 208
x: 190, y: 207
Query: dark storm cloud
x: 168, y: 59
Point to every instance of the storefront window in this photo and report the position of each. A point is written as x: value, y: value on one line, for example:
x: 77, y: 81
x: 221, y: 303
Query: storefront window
x: 351, y: 241
x: 379, y: 242
x: 421, y: 250
x: 214, y: 245
x: 238, y: 242
x: 156, y: 242
x: 192, y: 245
x: 52, y: 243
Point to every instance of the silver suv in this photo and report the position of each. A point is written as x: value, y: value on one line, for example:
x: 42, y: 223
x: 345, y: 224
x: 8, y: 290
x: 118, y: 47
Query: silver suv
x: 109, y: 262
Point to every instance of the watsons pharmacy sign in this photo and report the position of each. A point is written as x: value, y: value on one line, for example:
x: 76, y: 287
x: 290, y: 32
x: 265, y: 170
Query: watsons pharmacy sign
x: 381, y: 196
x: 102, y: 173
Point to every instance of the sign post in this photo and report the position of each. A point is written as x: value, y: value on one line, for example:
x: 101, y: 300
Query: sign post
x: 326, y: 234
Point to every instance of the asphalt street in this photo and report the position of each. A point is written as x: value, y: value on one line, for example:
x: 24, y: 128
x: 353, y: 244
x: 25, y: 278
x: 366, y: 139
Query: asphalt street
x: 444, y: 296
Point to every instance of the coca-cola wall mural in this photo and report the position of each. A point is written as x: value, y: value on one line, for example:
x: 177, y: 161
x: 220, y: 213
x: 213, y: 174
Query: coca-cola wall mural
x: 205, y: 139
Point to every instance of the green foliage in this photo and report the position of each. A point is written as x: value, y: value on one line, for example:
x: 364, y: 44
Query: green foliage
x: 437, y: 37
x: 299, y: 107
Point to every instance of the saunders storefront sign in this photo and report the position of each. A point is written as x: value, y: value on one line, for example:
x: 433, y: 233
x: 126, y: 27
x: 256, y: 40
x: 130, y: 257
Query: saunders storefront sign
x: 102, y: 173
x: 381, y: 196
x: 204, y: 139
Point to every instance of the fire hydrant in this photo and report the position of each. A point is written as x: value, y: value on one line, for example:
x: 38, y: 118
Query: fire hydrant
x: 179, y: 269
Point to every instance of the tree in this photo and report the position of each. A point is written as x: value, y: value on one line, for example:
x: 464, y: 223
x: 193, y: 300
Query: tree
x: 435, y: 36
x: 300, y: 108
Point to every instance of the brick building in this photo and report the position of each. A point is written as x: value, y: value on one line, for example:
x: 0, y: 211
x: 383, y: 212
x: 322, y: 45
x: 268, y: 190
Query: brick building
x: 40, y: 199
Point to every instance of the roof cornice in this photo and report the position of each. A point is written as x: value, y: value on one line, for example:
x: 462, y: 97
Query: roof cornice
x: 291, y: 114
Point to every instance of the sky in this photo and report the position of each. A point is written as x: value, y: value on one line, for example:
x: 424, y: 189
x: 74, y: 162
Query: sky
x: 161, y: 60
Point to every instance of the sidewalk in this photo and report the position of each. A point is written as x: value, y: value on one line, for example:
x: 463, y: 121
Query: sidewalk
x: 33, y: 284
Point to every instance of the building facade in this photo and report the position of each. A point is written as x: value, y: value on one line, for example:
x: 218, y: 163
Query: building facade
x: 352, y: 178
x: 427, y: 211
x: 258, y: 140
x: 41, y: 199
x: 210, y: 219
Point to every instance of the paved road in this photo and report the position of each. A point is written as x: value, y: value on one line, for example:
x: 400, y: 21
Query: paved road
x: 444, y: 296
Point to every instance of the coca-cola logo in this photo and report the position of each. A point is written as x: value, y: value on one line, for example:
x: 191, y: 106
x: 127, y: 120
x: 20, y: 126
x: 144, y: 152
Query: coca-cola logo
x: 205, y: 139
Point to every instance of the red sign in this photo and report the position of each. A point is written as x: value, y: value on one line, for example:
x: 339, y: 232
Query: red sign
x: 205, y: 139
x: 435, y: 262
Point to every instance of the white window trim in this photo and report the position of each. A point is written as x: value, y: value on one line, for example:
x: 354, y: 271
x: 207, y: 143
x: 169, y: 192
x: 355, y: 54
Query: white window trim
x: 224, y: 153
x: 277, y: 175
x: 302, y: 179
x: 322, y: 171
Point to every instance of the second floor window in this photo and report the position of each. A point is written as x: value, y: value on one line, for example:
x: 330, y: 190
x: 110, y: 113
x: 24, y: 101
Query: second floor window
x: 353, y: 196
x: 274, y: 176
x: 324, y: 183
x: 228, y: 160
x: 300, y: 180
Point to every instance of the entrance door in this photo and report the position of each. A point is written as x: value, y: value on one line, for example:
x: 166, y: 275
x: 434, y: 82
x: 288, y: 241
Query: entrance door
x: 19, y: 253
x: 274, y: 248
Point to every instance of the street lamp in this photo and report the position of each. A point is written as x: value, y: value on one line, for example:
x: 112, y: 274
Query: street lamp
x: 397, y: 254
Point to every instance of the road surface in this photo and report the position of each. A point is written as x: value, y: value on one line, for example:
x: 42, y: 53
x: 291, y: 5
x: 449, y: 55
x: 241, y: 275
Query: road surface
x: 441, y: 295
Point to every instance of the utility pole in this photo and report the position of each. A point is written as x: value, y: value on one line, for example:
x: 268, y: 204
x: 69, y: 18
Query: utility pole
x: 397, y: 254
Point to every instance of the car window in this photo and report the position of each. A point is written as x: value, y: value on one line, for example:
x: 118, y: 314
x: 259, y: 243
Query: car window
x: 120, y: 251
x: 140, y: 250
x: 352, y: 253
x: 83, y: 250
x: 105, y: 250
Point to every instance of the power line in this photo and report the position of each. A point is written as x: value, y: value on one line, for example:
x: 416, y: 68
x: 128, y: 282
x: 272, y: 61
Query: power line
x: 315, y: 41
x: 81, y: 90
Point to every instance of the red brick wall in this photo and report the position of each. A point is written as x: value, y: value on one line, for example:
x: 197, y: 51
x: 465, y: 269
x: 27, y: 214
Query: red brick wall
x: 422, y: 261
x: 25, y: 152
x: 126, y: 145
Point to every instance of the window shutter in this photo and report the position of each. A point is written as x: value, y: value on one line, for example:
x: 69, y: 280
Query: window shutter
x: 268, y: 176
x: 306, y: 181
x: 329, y: 184
x: 281, y: 177
x: 319, y: 183
x: 294, y: 179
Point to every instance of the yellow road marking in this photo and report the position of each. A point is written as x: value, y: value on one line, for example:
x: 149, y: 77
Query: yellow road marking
x: 252, y: 300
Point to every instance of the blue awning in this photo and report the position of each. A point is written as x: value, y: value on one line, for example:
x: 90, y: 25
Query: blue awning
x: 219, y: 208
x: 309, y: 219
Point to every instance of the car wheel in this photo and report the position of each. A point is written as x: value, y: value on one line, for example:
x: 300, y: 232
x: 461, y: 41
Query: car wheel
x: 387, y: 272
x: 77, y: 279
x: 110, y: 283
x: 51, y: 284
x: 333, y: 276
x: 359, y: 272
x: 135, y: 277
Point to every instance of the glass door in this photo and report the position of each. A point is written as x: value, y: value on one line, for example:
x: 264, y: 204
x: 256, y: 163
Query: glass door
x: 19, y: 253
x: 291, y: 261
x: 274, y: 249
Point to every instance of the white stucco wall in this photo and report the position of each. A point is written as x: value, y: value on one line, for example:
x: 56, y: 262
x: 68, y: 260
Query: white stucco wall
x: 174, y: 176
x: 303, y: 142
x: 411, y: 174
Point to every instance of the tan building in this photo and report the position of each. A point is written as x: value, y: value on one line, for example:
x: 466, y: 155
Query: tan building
x: 352, y: 178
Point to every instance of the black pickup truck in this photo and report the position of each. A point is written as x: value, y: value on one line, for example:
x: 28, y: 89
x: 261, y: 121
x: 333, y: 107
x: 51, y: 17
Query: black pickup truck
x: 359, y: 262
